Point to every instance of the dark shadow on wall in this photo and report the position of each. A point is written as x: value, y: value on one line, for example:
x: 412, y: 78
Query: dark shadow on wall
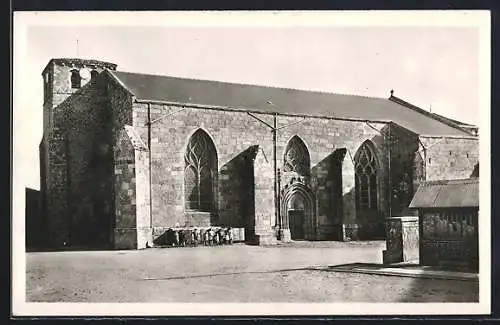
x: 88, y: 191
x: 326, y: 184
x: 475, y: 172
x: 237, y: 192
x: 35, y: 230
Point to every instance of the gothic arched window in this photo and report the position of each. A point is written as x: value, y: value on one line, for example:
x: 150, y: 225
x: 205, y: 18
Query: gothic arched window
x: 200, y: 172
x: 76, y: 80
x: 366, y: 169
x: 297, y: 157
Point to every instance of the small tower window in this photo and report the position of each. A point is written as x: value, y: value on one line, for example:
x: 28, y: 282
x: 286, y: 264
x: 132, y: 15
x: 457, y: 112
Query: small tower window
x: 93, y: 74
x: 46, y: 83
x: 76, y: 80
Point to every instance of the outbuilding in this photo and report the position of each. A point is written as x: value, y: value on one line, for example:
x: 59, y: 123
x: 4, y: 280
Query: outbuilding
x: 448, y: 220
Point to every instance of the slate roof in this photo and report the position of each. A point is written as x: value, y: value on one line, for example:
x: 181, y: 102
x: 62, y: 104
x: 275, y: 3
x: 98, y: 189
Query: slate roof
x: 447, y: 194
x: 281, y: 100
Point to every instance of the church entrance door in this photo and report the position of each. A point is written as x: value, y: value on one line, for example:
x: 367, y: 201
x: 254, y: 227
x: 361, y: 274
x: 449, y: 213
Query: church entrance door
x: 296, y: 223
x: 297, y: 208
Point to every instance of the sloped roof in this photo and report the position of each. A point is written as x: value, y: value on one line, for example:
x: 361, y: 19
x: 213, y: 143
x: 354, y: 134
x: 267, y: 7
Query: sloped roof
x: 280, y: 100
x: 447, y: 194
x: 454, y: 121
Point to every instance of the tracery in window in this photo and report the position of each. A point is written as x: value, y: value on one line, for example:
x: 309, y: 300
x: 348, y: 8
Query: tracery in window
x: 366, y: 169
x: 200, y: 172
x: 297, y: 157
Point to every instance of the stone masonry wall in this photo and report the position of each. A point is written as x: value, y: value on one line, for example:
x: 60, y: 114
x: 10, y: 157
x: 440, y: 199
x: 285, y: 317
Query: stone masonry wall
x: 323, y: 137
x: 404, y: 145
x: 450, y: 158
x: 131, y: 172
x: 125, y: 193
x: 85, y: 119
x: 233, y: 134
x: 73, y: 159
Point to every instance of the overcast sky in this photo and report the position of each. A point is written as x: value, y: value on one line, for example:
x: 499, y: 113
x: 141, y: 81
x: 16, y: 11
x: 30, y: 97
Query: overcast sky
x: 428, y: 66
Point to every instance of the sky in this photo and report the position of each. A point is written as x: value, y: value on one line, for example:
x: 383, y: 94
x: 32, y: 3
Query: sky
x: 433, y: 67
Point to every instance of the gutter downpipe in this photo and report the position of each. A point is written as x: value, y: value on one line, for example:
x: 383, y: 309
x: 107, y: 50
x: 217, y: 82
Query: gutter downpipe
x: 275, y: 166
x: 389, y: 167
x: 150, y: 168
x: 389, y: 153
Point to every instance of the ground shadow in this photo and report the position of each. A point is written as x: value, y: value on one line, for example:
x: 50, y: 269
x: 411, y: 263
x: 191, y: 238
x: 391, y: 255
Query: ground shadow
x: 444, y: 287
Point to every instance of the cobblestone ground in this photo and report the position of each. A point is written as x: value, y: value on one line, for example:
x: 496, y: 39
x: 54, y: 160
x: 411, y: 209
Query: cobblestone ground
x: 237, y: 273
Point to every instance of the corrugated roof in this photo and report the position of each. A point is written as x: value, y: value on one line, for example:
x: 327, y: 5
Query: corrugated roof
x: 280, y: 100
x: 447, y: 194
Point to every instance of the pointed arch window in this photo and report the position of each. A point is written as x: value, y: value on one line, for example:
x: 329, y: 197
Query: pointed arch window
x: 200, y: 172
x: 366, y: 169
x: 76, y: 80
x: 297, y: 157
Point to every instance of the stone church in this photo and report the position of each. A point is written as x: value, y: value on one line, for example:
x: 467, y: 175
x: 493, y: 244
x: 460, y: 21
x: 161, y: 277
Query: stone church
x: 125, y: 156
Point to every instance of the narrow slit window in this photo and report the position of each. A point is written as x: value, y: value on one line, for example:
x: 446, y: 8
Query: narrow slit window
x: 76, y: 80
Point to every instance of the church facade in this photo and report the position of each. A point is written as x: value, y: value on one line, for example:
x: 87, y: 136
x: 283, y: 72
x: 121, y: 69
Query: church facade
x: 126, y: 156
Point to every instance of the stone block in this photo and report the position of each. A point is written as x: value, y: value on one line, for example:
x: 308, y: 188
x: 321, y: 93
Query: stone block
x: 265, y: 240
x: 402, y: 241
x: 197, y: 219
x: 285, y: 235
x: 125, y: 238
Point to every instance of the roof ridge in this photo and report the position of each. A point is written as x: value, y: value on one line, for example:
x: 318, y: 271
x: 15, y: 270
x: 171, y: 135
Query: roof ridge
x: 454, y: 121
x: 254, y: 85
x: 434, y: 116
x: 450, y: 181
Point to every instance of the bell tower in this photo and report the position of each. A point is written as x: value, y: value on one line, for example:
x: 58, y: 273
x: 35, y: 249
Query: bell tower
x: 62, y: 78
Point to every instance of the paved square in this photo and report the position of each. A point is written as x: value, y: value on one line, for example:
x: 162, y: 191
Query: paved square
x: 237, y: 273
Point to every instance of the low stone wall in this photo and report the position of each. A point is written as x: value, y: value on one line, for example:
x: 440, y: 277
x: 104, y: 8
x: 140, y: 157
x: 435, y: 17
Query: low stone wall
x: 195, y: 236
x: 445, y: 252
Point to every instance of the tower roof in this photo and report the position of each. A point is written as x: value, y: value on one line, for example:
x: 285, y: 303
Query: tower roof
x: 80, y: 63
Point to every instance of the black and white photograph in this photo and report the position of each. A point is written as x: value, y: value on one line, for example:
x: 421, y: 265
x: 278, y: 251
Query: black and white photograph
x: 251, y: 163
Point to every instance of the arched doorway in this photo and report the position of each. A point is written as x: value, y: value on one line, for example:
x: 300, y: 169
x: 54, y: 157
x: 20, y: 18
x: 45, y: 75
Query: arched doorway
x: 296, y: 214
x: 297, y: 210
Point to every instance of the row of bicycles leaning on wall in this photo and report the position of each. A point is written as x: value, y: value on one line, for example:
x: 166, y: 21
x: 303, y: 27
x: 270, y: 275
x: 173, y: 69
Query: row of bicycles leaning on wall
x: 191, y: 237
